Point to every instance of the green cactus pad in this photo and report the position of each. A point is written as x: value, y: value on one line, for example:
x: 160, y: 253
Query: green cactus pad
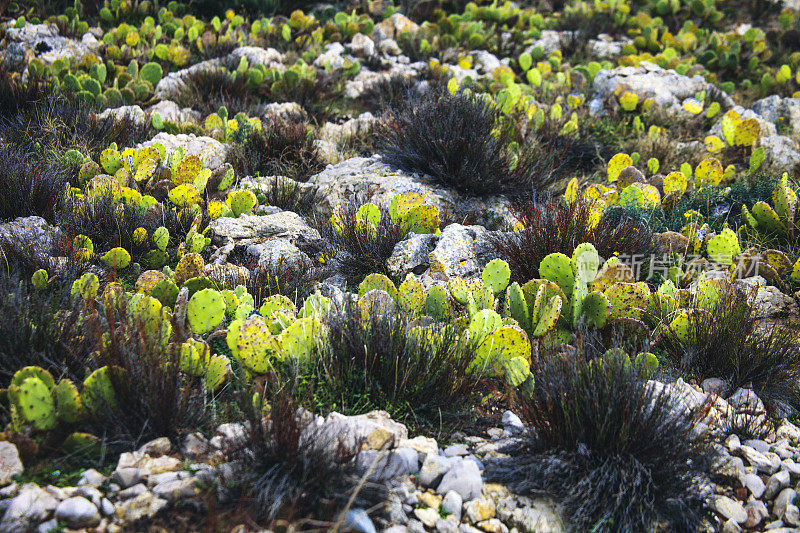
x: 548, y: 316
x: 86, y: 286
x: 189, y: 266
x: 151, y: 72
x: 165, y: 291
x: 33, y: 372
x: 768, y: 219
x: 110, y: 160
x: 496, y: 275
x: 660, y: 307
x: 557, y: 268
x: 422, y: 219
x: 217, y: 371
x: 411, y: 296
x: 777, y: 260
x: 69, y: 407
x: 461, y: 288
x: 610, y: 273
x: 687, y: 324
x: 627, y: 300
x: 518, y: 306
x: 98, y: 392
x: 193, y: 359
x: 369, y: 213
x: 517, y: 370
x: 117, y: 258
x: 724, y: 247
x: 376, y: 302
x: 300, y: 339
x: 82, y: 445
x: 437, y: 305
x: 710, y: 292
x: 531, y: 292
x: 785, y: 200
x: 255, y: 346
x: 35, y: 404
x: 315, y: 305
x: 483, y: 323
x: 585, y: 262
x: 242, y: 202
x: 377, y: 281
x: 205, y: 311
x: 276, y: 302
x: 505, y: 343
x: 596, y: 309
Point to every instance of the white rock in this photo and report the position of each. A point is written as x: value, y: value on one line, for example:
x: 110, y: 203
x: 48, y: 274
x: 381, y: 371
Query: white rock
x: 78, y: 512
x: 729, y: 508
x: 10, y: 463
x: 30, y: 507
x: 210, y: 150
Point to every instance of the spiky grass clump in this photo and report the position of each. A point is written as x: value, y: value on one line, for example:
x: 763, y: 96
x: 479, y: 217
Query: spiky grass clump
x: 281, y: 148
x: 736, y: 348
x: 553, y: 226
x: 55, y: 125
x: 356, y: 249
x: 152, y: 396
x: 290, y: 195
x: 294, y: 280
x: 35, y: 331
x: 208, y: 90
x: 452, y: 138
x: 29, y: 186
x: 610, y: 447
x: 290, y: 471
x: 377, y: 360
x: 16, y: 96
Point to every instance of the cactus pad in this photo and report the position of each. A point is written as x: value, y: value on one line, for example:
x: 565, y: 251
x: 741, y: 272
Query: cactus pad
x: 205, y: 311
x: 377, y: 281
x: 68, y: 402
x: 596, y: 309
x: 557, y: 268
x: 496, y: 274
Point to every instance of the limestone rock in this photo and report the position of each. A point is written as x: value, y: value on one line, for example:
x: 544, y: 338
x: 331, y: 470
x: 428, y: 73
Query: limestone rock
x: 10, y: 463
x: 210, y: 150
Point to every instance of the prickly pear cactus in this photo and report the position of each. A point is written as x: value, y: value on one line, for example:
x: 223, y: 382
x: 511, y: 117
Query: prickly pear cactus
x: 276, y: 302
x: 254, y: 345
x: 496, y: 274
x: 189, y: 266
x: 205, y: 311
x: 518, y: 307
x: 768, y: 219
x: 242, y: 202
x: 504, y: 344
x: 411, y: 295
x: 688, y: 325
x: 315, y: 305
x: 483, y: 323
x: 86, y: 286
x: 98, y: 392
x: 596, y: 309
x: 557, y: 268
x: 34, y: 401
x: 724, y: 247
x: 217, y: 372
x: 377, y: 281
x: 301, y: 339
x: 69, y: 407
x: 627, y: 300
x: 437, y: 304
x: 585, y: 262
x: 547, y: 314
